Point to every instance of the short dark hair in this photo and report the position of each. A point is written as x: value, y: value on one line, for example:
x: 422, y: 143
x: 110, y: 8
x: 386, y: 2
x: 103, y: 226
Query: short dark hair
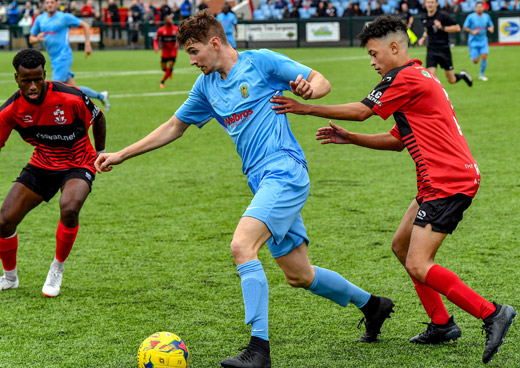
x: 201, y: 27
x: 381, y: 27
x: 29, y: 59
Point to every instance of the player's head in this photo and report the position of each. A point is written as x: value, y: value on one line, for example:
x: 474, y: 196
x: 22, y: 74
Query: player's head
x: 30, y: 73
x: 226, y: 8
x: 51, y: 6
x: 203, y: 38
x: 431, y: 5
x: 479, y: 7
x: 386, y: 40
x: 168, y: 21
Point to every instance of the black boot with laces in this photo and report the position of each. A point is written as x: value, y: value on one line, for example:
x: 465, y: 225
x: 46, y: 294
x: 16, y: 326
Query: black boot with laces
x: 255, y: 355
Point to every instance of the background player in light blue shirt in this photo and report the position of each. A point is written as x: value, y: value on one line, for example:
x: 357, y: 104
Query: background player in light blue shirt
x: 52, y: 27
x: 229, y: 22
x: 235, y: 89
x: 477, y: 24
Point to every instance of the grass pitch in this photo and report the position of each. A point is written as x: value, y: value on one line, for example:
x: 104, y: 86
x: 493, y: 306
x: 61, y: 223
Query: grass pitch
x: 153, y: 253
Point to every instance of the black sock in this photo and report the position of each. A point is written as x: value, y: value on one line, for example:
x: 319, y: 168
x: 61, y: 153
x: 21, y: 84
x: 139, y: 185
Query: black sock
x: 457, y: 77
x: 492, y: 315
x: 259, y: 344
x: 372, y: 306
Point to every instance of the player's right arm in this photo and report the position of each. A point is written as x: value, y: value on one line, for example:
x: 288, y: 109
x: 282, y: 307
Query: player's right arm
x: 36, y: 34
x: 164, y: 134
x: 337, y: 135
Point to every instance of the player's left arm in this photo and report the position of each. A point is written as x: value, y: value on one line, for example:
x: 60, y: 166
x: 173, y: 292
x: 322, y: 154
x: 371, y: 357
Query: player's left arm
x: 99, y: 129
x: 490, y: 27
x: 86, y: 32
x: 315, y: 86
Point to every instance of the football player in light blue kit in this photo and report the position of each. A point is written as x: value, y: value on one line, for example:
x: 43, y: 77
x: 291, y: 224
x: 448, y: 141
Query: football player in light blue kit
x: 235, y: 89
x: 477, y: 24
x: 52, y: 27
x: 229, y: 22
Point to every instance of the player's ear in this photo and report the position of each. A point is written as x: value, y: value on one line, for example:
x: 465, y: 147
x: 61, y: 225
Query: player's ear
x: 215, y: 42
x: 394, y: 47
x: 16, y: 77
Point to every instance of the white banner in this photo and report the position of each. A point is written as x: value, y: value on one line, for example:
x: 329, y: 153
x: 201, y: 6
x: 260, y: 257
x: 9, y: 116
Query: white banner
x: 509, y: 29
x: 322, y: 32
x: 4, y: 37
x: 272, y: 32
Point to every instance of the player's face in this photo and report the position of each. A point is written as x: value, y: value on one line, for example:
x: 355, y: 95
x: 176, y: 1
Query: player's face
x: 51, y: 6
x: 479, y: 8
x: 31, y: 82
x: 203, y: 56
x: 381, y: 57
x: 431, y: 5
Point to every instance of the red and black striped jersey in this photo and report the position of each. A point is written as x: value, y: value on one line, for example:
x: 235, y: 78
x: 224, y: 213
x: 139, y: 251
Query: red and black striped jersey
x: 428, y: 127
x: 57, y: 128
x: 168, y: 38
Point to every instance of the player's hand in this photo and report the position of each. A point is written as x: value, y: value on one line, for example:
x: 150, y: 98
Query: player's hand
x: 475, y: 32
x: 333, y: 134
x: 286, y: 104
x: 88, y: 49
x: 301, y: 87
x: 437, y: 23
x: 41, y: 36
x: 421, y: 41
x: 105, y: 161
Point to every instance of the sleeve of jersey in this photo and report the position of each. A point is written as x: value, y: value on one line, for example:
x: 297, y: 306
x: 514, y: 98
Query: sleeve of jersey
x: 5, y: 131
x: 395, y: 132
x: 71, y: 20
x: 388, y: 96
x: 88, y: 111
x: 280, y: 69
x: 35, y: 29
x: 448, y: 20
x: 196, y: 109
x: 467, y: 22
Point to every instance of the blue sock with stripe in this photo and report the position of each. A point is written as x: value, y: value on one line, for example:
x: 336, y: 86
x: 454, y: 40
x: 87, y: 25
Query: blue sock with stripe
x: 256, y: 297
x: 91, y: 93
x: 483, y: 66
x: 335, y: 287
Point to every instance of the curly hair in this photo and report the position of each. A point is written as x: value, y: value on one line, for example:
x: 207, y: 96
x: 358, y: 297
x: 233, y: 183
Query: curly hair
x: 381, y: 27
x: 201, y: 28
x: 29, y: 59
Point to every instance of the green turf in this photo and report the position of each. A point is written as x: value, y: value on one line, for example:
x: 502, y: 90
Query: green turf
x: 153, y: 252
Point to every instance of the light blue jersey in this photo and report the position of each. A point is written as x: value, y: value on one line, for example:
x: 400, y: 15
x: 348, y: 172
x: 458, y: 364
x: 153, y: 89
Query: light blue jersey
x: 228, y: 23
x: 240, y: 104
x: 480, y: 23
x: 56, y: 29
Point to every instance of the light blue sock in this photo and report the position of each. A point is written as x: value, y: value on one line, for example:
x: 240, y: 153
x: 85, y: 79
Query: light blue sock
x: 335, y: 287
x: 483, y: 66
x: 91, y: 93
x: 256, y: 297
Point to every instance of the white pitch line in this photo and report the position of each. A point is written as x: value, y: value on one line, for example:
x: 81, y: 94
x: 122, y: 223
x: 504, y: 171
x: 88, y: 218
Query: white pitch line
x: 152, y: 94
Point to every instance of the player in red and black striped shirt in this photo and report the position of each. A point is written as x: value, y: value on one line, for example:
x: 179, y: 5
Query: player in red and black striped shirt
x: 54, y: 118
x: 167, y: 34
x: 447, y: 175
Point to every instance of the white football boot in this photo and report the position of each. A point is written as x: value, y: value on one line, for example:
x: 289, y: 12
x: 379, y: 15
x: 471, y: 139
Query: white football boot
x: 6, y: 284
x: 52, y: 285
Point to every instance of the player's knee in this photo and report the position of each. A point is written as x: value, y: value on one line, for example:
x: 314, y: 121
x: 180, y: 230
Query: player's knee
x: 241, y: 251
x: 414, y: 269
x: 69, y: 215
x: 298, y: 281
x: 475, y: 61
x: 7, y: 227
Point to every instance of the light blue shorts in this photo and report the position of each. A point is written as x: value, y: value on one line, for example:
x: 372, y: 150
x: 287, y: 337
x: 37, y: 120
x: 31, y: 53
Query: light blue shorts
x: 478, y: 49
x: 61, y: 70
x: 281, y: 186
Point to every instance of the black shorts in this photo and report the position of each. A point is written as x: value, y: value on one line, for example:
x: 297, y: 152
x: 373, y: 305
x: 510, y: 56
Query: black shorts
x: 47, y: 182
x: 443, y: 214
x: 165, y: 60
x: 441, y: 56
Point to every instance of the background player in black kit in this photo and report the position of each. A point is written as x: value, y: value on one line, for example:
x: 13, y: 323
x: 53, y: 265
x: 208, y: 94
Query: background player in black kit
x: 437, y: 24
x: 54, y: 118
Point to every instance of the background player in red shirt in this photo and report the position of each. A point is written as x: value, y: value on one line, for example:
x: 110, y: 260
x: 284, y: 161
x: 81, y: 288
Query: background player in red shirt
x: 167, y: 34
x: 54, y: 118
x: 447, y: 175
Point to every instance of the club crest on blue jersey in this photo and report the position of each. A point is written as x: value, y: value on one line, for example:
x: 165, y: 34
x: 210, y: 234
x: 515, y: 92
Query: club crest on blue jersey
x: 244, y: 90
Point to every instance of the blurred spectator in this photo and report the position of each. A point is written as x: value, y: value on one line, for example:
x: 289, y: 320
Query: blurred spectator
x: 280, y: 4
x: 305, y: 4
x: 294, y: 12
x: 154, y: 10
x: 135, y: 12
x: 506, y: 6
x: 413, y: 4
x: 487, y: 6
x: 315, y: 3
x: 185, y: 10
x: 87, y: 11
x: 12, y: 13
x: 3, y: 13
x: 353, y: 10
x: 164, y: 11
x: 331, y: 10
x: 28, y: 8
x: 115, y: 18
x: 377, y: 11
x: 516, y: 5
x: 133, y: 21
x: 202, y: 5
x: 286, y: 14
x: 348, y: 12
x: 148, y: 15
x: 74, y: 9
x: 321, y: 11
x: 26, y: 23
x: 65, y: 8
